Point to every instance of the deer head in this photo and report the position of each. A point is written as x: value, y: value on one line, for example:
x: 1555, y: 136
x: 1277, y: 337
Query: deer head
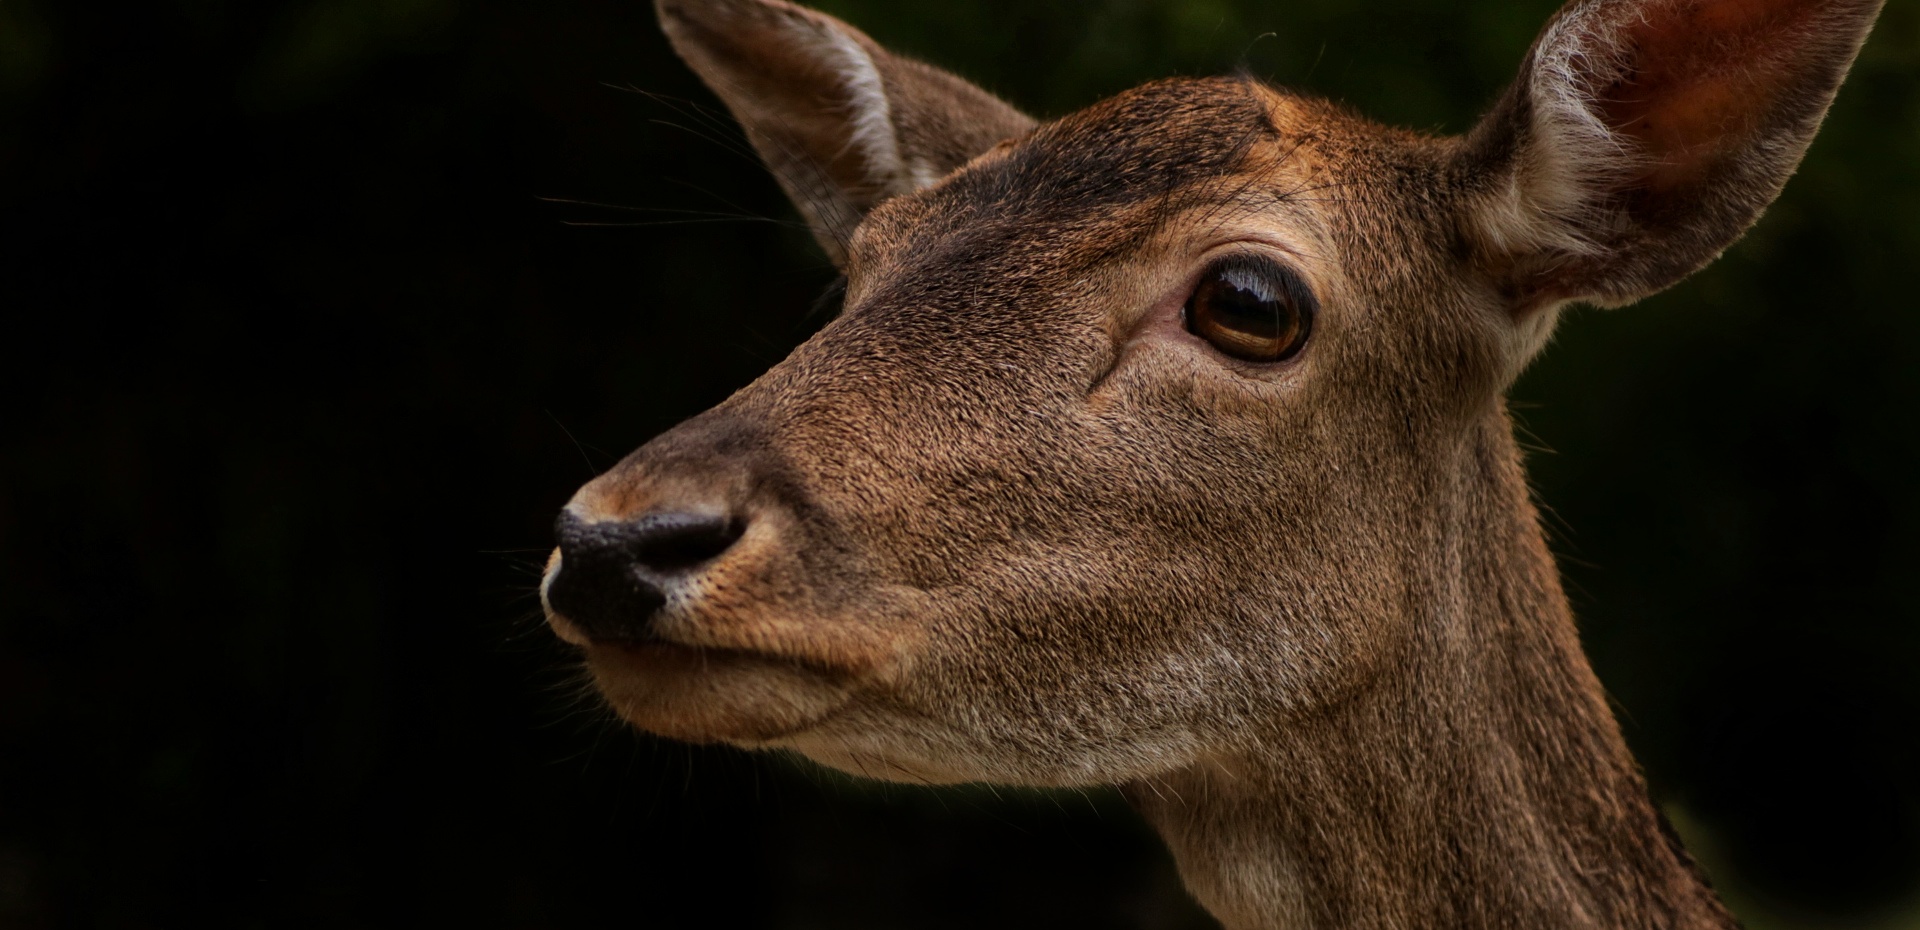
x: 1163, y: 445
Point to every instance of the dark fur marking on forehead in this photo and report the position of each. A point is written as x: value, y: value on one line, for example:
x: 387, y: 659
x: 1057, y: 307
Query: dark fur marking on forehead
x: 1141, y: 145
x: 1156, y: 145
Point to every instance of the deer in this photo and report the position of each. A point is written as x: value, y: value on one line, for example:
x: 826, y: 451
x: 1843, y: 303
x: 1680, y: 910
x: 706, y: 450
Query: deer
x: 1164, y: 446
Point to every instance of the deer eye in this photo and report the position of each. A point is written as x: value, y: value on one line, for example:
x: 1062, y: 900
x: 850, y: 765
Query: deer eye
x: 1252, y: 309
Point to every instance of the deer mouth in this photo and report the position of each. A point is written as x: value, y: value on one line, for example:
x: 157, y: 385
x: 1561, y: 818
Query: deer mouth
x: 704, y: 694
x: 726, y: 663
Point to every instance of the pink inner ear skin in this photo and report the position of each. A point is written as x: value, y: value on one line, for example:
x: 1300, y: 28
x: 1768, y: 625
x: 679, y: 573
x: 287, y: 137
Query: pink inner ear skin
x: 1706, y: 75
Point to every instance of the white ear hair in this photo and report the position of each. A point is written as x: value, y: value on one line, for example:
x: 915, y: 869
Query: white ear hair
x: 842, y: 123
x: 869, y: 114
x: 1558, y: 190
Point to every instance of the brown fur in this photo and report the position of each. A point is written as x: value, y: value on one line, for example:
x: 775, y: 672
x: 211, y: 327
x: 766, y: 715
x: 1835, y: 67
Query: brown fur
x: 1006, y: 520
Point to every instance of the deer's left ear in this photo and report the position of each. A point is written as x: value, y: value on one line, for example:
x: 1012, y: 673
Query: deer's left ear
x: 1644, y: 136
x: 842, y: 123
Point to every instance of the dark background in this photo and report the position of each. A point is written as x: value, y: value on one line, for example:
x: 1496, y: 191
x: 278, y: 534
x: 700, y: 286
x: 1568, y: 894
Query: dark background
x: 303, y: 347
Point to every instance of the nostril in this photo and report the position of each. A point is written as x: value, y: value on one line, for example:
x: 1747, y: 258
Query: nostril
x: 667, y: 542
x: 662, y: 542
x: 613, y: 572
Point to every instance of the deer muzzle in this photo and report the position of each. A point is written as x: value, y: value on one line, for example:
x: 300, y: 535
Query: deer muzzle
x: 615, y: 574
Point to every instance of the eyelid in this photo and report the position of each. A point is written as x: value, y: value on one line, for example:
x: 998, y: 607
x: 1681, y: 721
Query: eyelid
x: 1286, y: 276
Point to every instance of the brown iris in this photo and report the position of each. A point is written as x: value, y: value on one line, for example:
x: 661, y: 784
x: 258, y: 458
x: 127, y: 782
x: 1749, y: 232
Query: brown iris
x: 1252, y: 309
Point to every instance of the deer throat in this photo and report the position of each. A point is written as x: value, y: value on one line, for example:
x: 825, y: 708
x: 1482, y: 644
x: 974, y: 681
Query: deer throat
x: 1481, y: 781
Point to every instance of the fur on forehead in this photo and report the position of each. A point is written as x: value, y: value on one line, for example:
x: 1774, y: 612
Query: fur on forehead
x: 1158, y: 145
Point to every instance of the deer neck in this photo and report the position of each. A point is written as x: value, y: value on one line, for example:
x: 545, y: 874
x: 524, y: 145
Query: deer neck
x: 1479, y: 781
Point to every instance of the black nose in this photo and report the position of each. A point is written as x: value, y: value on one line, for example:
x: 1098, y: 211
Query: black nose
x: 613, y: 572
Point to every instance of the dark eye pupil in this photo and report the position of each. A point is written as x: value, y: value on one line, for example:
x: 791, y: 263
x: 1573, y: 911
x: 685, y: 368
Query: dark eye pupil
x: 1251, y: 310
x: 1246, y: 310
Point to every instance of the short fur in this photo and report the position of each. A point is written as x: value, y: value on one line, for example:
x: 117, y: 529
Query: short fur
x: 1006, y: 519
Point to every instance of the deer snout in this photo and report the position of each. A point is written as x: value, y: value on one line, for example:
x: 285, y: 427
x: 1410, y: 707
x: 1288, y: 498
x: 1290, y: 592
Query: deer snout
x: 614, y: 575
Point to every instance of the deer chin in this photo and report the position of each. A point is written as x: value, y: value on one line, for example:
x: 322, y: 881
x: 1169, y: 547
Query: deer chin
x: 707, y: 695
x: 873, y: 737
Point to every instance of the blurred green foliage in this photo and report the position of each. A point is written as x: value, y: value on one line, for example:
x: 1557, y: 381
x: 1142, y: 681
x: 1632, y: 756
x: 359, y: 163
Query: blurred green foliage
x: 23, y: 49
x: 300, y: 364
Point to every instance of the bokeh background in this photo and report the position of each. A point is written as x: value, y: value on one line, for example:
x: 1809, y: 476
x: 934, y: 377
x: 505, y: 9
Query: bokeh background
x: 312, y: 312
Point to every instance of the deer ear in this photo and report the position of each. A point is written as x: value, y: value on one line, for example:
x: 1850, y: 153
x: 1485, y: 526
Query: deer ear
x: 842, y: 123
x: 1644, y: 136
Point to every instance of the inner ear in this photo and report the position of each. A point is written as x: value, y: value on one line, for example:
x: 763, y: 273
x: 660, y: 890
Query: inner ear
x: 842, y: 123
x: 1689, y: 106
